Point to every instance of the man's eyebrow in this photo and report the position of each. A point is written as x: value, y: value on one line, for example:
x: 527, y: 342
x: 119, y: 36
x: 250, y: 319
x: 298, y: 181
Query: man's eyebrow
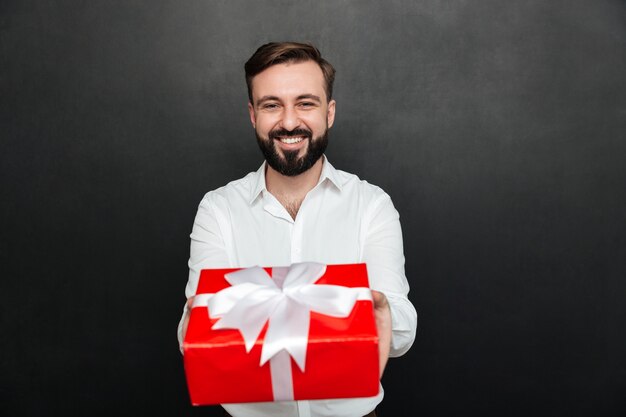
x: 267, y: 98
x: 300, y: 97
x: 309, y: 97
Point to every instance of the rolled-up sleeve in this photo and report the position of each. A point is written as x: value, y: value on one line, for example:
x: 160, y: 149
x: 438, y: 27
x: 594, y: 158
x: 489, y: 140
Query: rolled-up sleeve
x: 383, y: 253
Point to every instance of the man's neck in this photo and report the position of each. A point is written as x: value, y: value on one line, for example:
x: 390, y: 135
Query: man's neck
x: 290, y: 191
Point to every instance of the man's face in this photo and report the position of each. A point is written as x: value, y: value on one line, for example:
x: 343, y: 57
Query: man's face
x: 291, y: 115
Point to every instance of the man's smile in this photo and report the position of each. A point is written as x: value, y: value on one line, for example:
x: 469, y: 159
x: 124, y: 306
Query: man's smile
x: 291, y: 140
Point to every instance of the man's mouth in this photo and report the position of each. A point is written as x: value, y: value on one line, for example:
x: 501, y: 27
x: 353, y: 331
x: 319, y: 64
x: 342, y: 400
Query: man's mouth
x: 290, y: 137
x: 291, y: 140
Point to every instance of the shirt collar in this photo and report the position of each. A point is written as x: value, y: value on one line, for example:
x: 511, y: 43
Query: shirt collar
x: 258, y: 181
x: 328, y: 173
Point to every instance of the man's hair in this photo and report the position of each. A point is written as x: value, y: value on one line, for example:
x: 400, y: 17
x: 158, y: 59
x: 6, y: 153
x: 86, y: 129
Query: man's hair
x: 282, y: 52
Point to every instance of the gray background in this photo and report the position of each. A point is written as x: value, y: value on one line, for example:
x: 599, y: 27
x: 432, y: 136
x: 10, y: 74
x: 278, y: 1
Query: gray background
x: 498, y: 128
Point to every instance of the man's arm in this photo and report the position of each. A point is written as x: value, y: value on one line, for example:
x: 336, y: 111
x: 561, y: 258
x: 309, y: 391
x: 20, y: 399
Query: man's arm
x: 383, y: 253
x: 207, y: 250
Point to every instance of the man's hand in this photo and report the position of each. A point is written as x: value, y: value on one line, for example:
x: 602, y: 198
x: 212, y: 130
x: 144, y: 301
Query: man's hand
x: 382, y: 313
x: 187, y: 314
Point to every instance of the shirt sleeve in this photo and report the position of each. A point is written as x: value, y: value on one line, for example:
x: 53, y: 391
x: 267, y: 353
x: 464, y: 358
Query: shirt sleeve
x: 383, y: 253
x: 207, y: 250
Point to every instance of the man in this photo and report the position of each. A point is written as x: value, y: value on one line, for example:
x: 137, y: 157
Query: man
x: 297, y: 208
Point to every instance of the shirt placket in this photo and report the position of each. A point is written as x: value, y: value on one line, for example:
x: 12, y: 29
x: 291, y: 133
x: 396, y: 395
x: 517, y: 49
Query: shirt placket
x: 297, y: 239
x: 297, y: 234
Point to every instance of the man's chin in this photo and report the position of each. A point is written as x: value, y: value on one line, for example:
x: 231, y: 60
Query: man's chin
x: 291, y: 157
x: 294, y: 162
x: 288, y: 168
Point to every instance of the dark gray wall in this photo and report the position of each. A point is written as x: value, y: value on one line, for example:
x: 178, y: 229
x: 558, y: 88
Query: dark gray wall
x: 498, y: 128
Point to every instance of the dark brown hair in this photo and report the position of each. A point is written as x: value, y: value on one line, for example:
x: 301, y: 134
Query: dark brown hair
x: 280, y: 52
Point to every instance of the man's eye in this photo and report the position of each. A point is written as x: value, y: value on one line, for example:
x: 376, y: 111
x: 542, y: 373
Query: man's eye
x: 270, y: 106
x: 307, y: 104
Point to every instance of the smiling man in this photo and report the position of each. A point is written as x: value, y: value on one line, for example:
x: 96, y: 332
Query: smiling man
x: 291, y: 112
x: 297, y: 207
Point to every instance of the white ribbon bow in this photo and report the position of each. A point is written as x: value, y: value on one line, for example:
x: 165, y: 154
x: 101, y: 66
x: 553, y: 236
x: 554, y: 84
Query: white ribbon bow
x: 286, y: 301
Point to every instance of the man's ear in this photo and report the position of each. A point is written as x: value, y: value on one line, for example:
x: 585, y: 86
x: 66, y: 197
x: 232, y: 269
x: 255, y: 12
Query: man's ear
x: 330, y: 117
x: 252, y: 115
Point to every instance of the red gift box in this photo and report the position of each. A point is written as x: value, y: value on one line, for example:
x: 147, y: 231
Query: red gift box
x: 341, y: 353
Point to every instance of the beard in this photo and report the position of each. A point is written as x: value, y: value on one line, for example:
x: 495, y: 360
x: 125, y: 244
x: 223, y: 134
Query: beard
x: 289, y: 164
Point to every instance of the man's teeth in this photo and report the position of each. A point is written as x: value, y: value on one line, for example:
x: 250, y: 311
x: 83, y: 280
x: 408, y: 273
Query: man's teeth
x: 291, y: 140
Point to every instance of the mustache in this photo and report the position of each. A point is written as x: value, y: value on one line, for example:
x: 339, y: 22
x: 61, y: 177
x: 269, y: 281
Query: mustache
x: 282, y: 133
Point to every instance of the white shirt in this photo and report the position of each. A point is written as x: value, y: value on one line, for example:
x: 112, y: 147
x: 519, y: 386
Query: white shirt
x: 341, y: 220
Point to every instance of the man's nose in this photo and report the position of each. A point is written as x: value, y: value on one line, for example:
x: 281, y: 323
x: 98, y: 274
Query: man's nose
x: 291, y: 120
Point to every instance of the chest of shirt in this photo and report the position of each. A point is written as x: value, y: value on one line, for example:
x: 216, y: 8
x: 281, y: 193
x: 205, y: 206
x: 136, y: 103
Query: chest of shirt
x: 328, y: 229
